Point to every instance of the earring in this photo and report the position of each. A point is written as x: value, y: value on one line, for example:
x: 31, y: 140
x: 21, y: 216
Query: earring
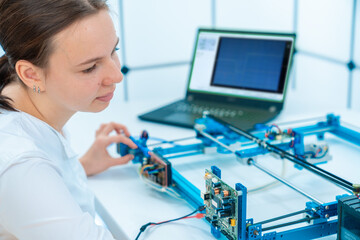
x: 38, y: 89
x: 34, y: 88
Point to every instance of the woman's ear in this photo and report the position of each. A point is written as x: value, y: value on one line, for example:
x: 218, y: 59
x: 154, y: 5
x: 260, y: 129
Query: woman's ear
x: 30, y: 75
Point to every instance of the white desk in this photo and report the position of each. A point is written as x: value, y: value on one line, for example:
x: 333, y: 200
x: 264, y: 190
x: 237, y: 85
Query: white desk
x: 126, y: 203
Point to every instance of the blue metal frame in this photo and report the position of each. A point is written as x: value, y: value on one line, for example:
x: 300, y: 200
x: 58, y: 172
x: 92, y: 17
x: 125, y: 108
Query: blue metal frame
x: 320, y: 227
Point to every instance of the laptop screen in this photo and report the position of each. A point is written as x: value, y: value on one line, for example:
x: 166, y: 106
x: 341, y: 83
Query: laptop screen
x: 241, y: 64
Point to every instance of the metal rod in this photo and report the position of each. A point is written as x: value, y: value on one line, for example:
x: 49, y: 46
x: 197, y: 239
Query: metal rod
x: 351, y: 125
x: 322, y: 57
x: 352, y: 51
x: 271, y: 148
x: 215, y: 140
x: 123, y: 47
x: 320, y: 130
x: 173, y: 64
x: 295, y: 27
x: 284, y: 154
x: 300, y: 121
x: 192, y: 153
x: 305, y: 219
x: 325, y: 174
x: 213, y: 13
x: 283, y: 216
x: 252, y: 162
x: 171, y: 141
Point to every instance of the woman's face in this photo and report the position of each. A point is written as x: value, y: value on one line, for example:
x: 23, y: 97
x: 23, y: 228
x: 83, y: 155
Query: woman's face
x: 84, y: 67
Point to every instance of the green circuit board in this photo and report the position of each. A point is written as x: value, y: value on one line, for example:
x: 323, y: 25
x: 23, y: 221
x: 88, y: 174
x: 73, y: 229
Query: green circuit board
x: 221, y: 203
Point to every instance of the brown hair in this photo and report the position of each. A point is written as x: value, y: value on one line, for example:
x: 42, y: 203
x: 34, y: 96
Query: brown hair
x: 27, y: 28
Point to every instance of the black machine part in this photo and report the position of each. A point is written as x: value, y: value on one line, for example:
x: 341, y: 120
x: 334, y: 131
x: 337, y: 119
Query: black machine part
x: 349, y: 218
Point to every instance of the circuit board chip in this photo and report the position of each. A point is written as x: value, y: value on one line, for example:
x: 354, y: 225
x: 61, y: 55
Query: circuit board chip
x: 221, y: 203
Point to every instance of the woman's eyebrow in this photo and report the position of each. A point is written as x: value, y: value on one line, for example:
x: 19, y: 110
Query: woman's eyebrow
x: 96, y: 58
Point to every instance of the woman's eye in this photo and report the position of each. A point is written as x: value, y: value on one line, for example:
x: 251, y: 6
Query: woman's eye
x: 89, y: 70
x: 116, y: 49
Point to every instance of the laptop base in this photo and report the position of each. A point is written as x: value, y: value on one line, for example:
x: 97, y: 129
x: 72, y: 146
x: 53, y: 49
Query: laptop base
x: 183, y: 114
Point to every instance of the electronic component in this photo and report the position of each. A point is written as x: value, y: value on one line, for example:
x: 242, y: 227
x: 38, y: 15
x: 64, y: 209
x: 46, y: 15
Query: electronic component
x: 140, y: 153
x: 317, y: 153
x: 156, y: 169
x: 221, y: 203
x: 349, y: 218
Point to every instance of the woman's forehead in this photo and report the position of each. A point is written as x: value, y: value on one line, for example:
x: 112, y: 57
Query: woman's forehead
x: 89, y: 37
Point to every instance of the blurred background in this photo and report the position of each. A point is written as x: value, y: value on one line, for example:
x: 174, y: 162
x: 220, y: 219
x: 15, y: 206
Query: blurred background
x: 157, y: 39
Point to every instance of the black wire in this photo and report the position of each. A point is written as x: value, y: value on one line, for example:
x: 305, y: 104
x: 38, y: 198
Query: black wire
x: 143, y: 227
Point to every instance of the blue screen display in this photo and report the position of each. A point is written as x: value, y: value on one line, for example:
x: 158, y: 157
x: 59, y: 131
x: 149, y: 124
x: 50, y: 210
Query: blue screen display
x: 253, y: 64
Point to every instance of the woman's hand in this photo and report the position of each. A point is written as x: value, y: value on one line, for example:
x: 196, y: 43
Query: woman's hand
x: 97, y: 158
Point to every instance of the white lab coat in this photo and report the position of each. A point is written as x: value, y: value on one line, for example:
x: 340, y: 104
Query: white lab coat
x: 43, y: 189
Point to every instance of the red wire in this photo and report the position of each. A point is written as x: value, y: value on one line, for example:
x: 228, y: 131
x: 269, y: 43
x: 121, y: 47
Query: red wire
x: 198, y: 216
x: 277, y: 128
x: 317, y: 152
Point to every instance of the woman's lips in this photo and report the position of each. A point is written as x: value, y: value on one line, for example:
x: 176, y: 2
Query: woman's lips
x: 106, y: 98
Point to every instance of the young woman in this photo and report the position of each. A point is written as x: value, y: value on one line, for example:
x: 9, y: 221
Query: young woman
x: 59, y: 59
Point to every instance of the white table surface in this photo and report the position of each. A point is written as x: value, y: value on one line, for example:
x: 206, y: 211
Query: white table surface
x: 126, y: 203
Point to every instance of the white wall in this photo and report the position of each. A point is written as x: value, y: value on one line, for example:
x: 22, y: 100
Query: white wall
x: 163, y: 31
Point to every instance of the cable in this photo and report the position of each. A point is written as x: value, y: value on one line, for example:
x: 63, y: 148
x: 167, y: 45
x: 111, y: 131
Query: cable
x: 270, y: 184
x: 199, y: 216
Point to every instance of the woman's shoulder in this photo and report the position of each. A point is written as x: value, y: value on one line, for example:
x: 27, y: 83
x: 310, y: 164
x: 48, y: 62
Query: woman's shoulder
x: 24, y: 126
x: 10, y: 121
x: 15, y: 140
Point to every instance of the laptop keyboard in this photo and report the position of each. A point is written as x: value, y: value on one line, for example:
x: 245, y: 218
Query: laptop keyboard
x: 200, y: 108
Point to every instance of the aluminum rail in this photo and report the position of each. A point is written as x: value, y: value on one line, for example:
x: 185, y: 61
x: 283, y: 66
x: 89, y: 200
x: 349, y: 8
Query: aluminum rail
x: 252, y: 162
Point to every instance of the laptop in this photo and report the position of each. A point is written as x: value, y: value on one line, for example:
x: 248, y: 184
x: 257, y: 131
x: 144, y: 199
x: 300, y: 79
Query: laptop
x: 237, y: 76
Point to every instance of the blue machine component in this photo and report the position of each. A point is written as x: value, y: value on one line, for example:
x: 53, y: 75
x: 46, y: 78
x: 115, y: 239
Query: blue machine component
x: 141, y: 144
x: 181, y: 150
x: 215, y: 231
x: 186, y: 189
x: 216, y: 171
x: 252, y: 152
x: 309, y: 232
x: 242, y: 210
x: 255, y: 232
x: 139, y: 153
x: 332, y: 125
x: 323, y: 211
x: 261, y: 143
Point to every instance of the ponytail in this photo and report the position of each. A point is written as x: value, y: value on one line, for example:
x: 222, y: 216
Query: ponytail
x: 5, y: 79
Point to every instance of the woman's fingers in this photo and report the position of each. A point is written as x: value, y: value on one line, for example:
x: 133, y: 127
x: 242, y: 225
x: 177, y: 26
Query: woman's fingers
x: 106, y: 129
x: 121, y: 160
x: 120, y: 139
x: 101, y: 128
